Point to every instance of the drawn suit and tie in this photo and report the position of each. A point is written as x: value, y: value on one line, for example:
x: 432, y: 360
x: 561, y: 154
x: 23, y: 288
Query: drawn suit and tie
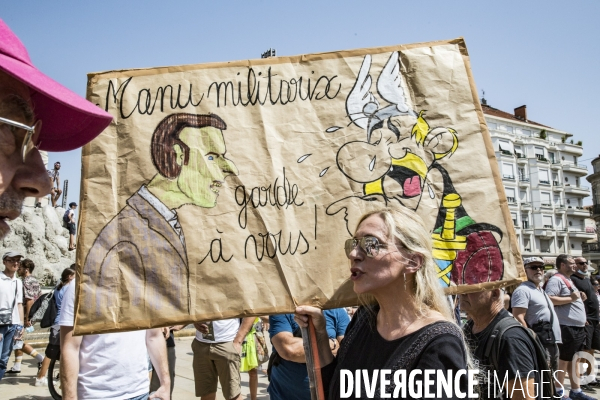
x: 138, y: 262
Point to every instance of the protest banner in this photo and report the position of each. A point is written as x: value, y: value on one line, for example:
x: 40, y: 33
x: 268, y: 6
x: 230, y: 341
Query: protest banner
x: 228, y: 189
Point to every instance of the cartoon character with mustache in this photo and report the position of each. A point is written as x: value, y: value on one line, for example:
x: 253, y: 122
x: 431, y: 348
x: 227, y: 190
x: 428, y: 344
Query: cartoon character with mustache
x: 403, y: 169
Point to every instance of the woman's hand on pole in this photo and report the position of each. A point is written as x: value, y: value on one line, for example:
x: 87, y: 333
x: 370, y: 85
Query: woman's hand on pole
x: 304, y: 312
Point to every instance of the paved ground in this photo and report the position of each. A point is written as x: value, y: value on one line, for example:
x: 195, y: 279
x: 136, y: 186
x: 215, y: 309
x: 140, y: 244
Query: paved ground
x: 20, y: 387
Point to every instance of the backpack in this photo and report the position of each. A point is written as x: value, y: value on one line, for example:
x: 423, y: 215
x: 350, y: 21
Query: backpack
x: 492, y: 353
x: 50, y: 314
x: 44, y: 310
x: 39, y: 307
x: 66, y: 216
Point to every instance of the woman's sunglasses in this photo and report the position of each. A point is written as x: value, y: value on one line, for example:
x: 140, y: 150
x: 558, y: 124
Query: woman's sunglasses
x: 369, y: 244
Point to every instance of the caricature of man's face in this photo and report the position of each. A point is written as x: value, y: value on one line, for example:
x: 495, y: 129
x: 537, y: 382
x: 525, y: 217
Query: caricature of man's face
x: 206, y: 170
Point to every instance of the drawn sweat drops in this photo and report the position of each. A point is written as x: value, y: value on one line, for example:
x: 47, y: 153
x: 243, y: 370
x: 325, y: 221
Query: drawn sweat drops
x: 406, y: 171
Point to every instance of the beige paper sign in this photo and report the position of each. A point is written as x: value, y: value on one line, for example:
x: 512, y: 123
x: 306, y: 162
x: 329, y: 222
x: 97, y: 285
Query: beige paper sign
x: 223, y: 190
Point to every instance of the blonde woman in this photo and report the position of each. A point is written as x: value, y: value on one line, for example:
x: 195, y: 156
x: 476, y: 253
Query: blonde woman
x: 409, y: 325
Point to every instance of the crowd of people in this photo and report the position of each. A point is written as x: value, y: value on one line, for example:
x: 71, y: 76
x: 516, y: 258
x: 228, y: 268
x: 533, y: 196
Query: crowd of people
x: 562, y: 308
x: 405, y: 326
x: 405, y: 317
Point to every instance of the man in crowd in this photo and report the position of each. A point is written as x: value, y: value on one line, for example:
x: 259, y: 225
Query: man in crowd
x: 71, y: 225
x: 217, y: 348
x: 28, y: 98
x: 56, y: 191
x: 171, y: 357
x: 31, y: 291
x: 11, y: 307
x: 289, y: 378
x: 570, y: 311
x: 486, y: 310
x: 582, y: 282
x: 112, y: 365
x: 532, y: 307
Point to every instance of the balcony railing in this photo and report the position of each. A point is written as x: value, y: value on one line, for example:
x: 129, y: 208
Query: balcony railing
x: 528, y: 249
x: 525, y: 224
x: 520, y: 155
x: 506, y: 153
x: 524, y: 178
x: 542, y: 182
x: 547, y: 226
x: 575, y: 165
x: 591, y: 247
x: 508, y: 177
x: 556, y: 183
x: 541, y: 158
x: 546, y: 204
x: 581, y: 209
x: 511, y: 199
x: 569, y: 187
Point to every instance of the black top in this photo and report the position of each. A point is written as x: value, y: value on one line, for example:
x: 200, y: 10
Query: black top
x: 517, y: 356
x: 591, y: 303
x: 369, y: 351
x: 171, y: 340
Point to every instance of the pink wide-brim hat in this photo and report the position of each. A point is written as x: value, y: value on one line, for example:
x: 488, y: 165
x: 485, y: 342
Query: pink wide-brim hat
x: 68, y: 120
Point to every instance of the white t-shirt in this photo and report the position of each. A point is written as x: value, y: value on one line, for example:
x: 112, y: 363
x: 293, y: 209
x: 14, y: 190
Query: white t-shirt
x: 225, y: 331
x: 7, y: 295
x: 112, y: 366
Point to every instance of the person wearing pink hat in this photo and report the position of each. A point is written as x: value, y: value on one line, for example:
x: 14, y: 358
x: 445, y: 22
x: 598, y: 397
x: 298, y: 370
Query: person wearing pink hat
x: 36, y: 113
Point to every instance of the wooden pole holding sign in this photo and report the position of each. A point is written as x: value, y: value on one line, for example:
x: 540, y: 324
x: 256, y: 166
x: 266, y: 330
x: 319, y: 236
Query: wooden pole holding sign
x: 313, y: 362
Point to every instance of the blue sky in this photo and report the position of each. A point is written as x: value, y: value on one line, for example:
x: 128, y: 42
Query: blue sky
x: 544, y: 54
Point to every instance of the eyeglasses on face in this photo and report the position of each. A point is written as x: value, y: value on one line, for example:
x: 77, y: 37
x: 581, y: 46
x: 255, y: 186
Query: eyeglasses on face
x: 26, y: 137
x: 536, y: 267
x: 581, y: 263
x: 369, y: 244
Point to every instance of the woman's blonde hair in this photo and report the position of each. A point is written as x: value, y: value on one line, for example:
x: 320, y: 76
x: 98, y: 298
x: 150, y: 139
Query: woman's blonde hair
x: 408, y: 231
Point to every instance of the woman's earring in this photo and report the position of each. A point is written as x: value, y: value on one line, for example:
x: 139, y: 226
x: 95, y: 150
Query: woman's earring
x: 404, y: 281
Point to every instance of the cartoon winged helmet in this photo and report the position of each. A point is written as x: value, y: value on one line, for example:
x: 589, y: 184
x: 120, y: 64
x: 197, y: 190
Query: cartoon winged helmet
x: 405, y: 169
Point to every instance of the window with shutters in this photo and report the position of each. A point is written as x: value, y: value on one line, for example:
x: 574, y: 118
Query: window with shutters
x: 508, y: 172
x: 545, y: 199
x: 544, y: 177
x: 545, y: 246
x: 510, y: 195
